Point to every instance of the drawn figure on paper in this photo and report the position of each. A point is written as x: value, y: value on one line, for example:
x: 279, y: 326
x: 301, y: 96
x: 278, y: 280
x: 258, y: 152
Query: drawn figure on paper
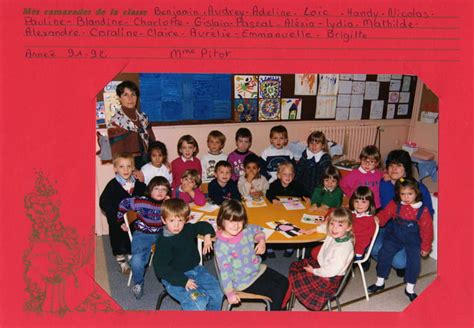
x: 54, y: 254
x: 270, y: 86
x: 246, y: 109
x: 269, y: 109
x: 245, y: 86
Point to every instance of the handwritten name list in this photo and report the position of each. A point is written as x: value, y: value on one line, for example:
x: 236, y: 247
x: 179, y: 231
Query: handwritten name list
x: 256, y: 32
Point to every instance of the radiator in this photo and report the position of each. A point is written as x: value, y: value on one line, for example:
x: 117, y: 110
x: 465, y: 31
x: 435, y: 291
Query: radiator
x: 334, y: 133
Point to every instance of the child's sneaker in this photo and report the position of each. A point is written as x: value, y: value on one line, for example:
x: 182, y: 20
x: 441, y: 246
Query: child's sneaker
x: 137, y: 290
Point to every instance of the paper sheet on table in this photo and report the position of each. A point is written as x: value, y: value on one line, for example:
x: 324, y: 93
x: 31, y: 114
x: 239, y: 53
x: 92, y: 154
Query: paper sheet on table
x: 250, y: 202
x: 292, y: 204
x: 210, y: 219
x: 207, y: 208
x: 286, y: 228
x: 312, y: 219
x: 194, y: 216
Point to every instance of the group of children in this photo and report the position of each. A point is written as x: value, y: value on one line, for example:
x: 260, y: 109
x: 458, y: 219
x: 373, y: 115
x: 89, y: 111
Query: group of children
x: 162, y: 211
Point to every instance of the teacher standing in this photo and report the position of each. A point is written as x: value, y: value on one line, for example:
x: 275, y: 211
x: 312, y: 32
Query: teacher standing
x: 129, y: 130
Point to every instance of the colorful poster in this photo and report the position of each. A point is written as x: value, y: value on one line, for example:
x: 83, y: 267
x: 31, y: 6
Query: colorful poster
x: 291, y: 108
x: 246, y: 110
x: 245, y: 86
x: 306, y: 84
x: 269, y: 86
x: 393, y: 97
x: 269, y: 109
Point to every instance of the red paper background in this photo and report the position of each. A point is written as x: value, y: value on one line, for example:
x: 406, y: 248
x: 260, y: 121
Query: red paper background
x: 48, y: 124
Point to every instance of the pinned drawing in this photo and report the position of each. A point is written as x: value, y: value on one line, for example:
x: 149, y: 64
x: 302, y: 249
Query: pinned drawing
x: 393, y: 97
x: 383, y: 77
x: 347, y: 77
x: 246, y: 110
x: 99, y: 113
x: 372, y: 90
x: 344, y: 101
x: 306, y: 84
x: 269, y: 86
x: 404, y: 97
x: 342, y: 113
x: 395, y: 85
x: 358, y: 88
x: 355, y: 113
x: 390, y: 111
x: 111, y: 105
x: 328, y: 84
x: 245, y: 86
x: 406, y: 83
x: 291, y: 108
x: 402, y: 109
x: 269, y: 109
x: 326, y: 107
x: 345, y: 87
x: 376, y: 110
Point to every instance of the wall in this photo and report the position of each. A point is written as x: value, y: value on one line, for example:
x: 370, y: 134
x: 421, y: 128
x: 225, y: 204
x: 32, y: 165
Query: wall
x: 394, y: 134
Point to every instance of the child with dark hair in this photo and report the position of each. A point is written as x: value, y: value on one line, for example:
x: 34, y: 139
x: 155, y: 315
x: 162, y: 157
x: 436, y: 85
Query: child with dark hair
x: 252, y: 183
x: 328, y: 194
x: 157, y: 166
x: 243, y: 140
x: 187, y: 149
x: 223, y: 187
x: 145, y: 228
x: 189, y: 189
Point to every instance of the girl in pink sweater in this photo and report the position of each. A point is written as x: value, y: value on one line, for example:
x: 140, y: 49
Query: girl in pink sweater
x: 189, y: 189
x: 187, y: 149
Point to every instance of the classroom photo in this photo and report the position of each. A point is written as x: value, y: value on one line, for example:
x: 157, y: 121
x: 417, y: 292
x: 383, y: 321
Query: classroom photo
x: 266, y: 192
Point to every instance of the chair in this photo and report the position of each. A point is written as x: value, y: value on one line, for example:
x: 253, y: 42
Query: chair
x: 129, y: 218
x: 245, y: 296
x: 336, y: 295
x: 365, y: 259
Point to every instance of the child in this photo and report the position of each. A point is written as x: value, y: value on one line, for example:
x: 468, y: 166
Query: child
x: 314, y: 280
x: 222, y: 187
x: 368, y: 174
x: 313, y: 162
x: 329, y: 194
x: 158, y: 163
x: 412, y: 230
x: 362, y: 205
x: 252, y: 183
x: 187, y: 149
x: 176, y: 261
x: 124, y: 185
x: 284, y: 186
x: 240, y: 267
x: 243, y: 140
x: 215, y: 143
x: 276, y: 153
x: 189, y: 189
x: 145, y: 228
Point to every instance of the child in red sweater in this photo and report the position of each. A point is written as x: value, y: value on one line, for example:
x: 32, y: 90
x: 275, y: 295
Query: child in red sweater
x: 187, y: 149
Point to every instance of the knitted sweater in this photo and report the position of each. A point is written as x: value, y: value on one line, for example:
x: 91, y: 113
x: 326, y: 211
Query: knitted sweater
x: 360, y: 177
x: 219, y: 194
x: 208, y: 162
x: 258, y: 184
x: 387, y: 193
x: 238, y: 264
x: 334, y: 257
x: 148, y: 213
x: 149, y: 172
x: 310, y: 169
x: 236, y: 159
x: 321, y: 196
x: 176, y: 254
x: 294, y: 189
x: 271, y: 158
x: 409, y: 212
x: 178, y: 166
x: 363, y: 227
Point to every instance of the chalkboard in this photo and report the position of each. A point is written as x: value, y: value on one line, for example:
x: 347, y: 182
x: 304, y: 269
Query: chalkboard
x: 185, y: 97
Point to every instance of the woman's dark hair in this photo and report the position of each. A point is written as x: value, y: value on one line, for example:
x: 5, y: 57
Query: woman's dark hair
x: 157, y: 181
x: 363, y: 193
x: 400, y: 156
x: 129, y: 85
x: 231, y: 210
x: 407, y: 183
x: 161, y: 147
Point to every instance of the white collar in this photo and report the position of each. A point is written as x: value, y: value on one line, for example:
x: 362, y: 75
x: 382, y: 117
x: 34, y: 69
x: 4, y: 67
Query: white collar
x: 187, y: 160
x: 317, y: 156
x: 415, y: 205
x: 218, y: 154
x: 359, y: 215
x: 364, y: 171
x: 329, y: 190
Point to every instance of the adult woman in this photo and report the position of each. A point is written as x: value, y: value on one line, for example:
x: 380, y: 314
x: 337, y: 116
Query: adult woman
x: 129, y: 130
x: 399, y: 165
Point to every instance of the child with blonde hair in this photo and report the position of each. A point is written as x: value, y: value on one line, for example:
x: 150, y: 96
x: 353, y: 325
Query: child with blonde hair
x: 276, y: 153
x: 215, y: 143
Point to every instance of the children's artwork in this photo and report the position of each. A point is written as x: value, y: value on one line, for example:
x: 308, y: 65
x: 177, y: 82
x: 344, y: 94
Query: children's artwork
x: 345, y: 87
x: 111, y: 104
x: 393, y: 97
x: 291, y: 203
x: 383, y: 77
x: 269, y: 86
x: 269, y: 109
x: 358, y: 88
x: 404, y: 97
x: 252, y: 202
x: 212, y: 220
x: 396, y: 76
x: 245, y: 86
x: 360, y: 77
x: 357, y: 100
x: 395, y: 85
x: 246, y: 110
x: 376, y: 110
x: 402, y: 109
x: 209, y: 208
x: 326, y: 107
x: 355, y: 113
x: 328, y: 84
x: 99, y: 113
x: 194, y: 216
x: 112, y: 86
x: 312, y: 219
x: 344, y: 101
x: 390, y: 111
x: 372, y: 90
x: 406, y: 83
x: 286, y: 228
x: 342, y: 113
x: 306, y: 84
x: 291, y: 108
x: 347, y: 77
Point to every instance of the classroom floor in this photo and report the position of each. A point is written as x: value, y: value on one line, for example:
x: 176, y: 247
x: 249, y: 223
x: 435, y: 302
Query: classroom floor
x: 352, y: 298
